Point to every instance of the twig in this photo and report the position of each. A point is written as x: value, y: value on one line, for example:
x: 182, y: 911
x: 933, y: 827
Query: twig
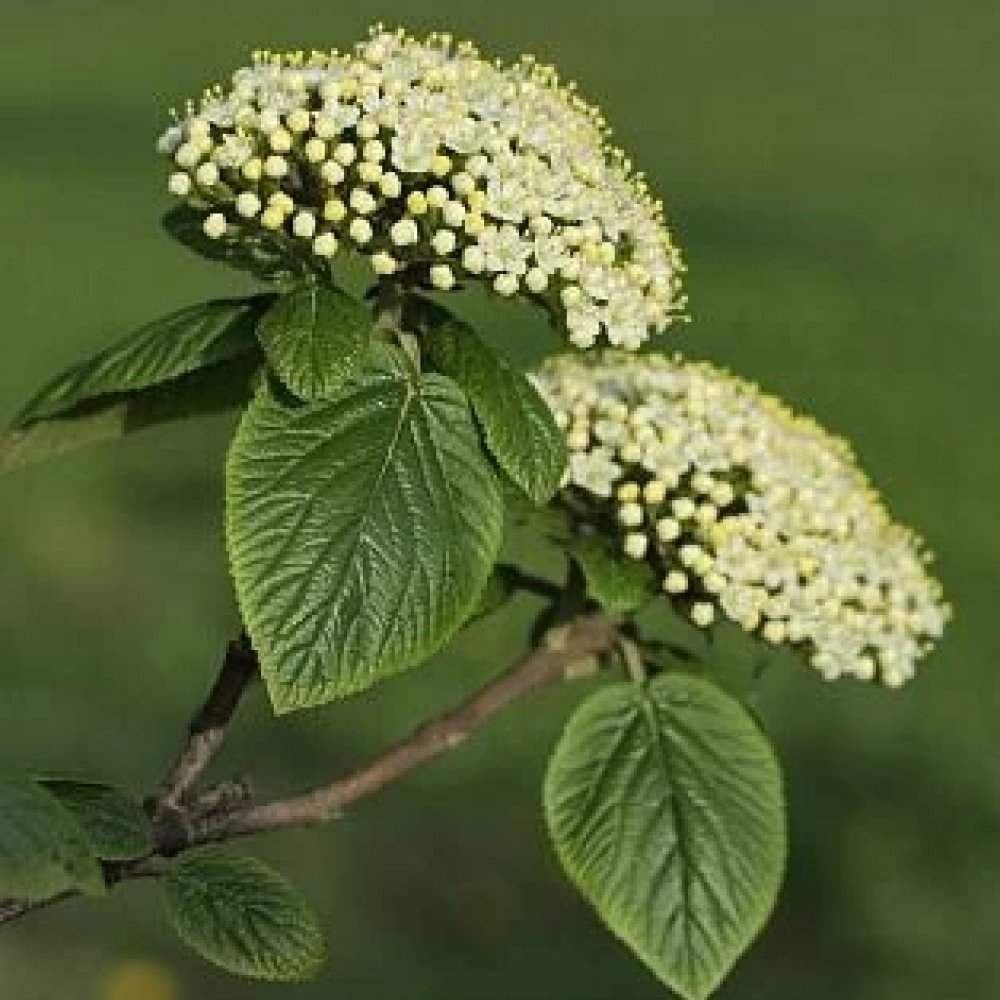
x: 531, y: 582
x: 553, y: 660
x: 583, y: 638
x: 208, y: 728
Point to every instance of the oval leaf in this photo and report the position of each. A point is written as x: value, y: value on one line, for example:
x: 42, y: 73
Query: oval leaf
x: 316, y: 338
x: 216, y: 389
x: 618, y: 583
x: 114, y: 824
x: 241, y: 915
x: 518, y: 426
x: 361, y: 530
x: 43, y: 850
x: 174, y: 345
x: 665, y: 807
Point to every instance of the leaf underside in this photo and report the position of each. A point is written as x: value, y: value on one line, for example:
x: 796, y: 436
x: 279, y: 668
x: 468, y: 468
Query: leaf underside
x: 665, y: 807
x: 517, y: 424
x: 241, y: 915
x: 192, y: 338
x: 218, y: 388
x: 115, y: 825
x: 43, y: 850
x: 361, y: 530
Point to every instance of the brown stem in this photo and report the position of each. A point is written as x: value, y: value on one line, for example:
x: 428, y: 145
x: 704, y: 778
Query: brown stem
x: 586, y: 636
x: 553, y: 660
x: 208, y: 728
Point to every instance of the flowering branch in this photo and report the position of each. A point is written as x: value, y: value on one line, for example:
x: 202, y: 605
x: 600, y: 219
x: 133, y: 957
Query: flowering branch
x: 190, y: 825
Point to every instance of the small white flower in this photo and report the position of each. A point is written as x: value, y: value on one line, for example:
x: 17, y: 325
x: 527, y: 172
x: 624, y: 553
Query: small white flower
x: 702, y: 614
x: 362, y: 201
x: 630, y: 514
x: 635, y: 545
x: 361, y: 231
x: 207, y: 175
x: 276, y: 166
x: 474, y: 260
x: 404, y: 233
x: 326, y: 245
x: 384, y: 263
x: 215, y: 226
x: 505, y: 250
x: 505, y: 284
x: 188, y: 155
x: 180, y: 184
x: 390, y: 185
x: 442, y: 277
x: 315, y: 151
x: 536, y: 280
x: 248, y: 205
x: 299, y: 120
x: 437, y: 197
x: 280, y: 140
x: 304, y: 225
x: 345, y: 154
x: 454, y: 214
x: 332, y: 173
x: 373, y: 151
x: 444, y: 242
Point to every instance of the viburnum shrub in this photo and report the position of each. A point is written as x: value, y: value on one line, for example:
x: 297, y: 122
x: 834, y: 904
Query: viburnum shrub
x: 383, y: 444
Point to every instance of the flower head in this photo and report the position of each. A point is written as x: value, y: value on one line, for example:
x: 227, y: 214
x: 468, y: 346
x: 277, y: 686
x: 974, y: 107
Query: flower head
x: 746, y: 510
x: 453, y: 165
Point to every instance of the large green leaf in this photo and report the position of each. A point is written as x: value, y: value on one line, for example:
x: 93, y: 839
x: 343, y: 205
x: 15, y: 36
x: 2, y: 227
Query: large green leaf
x: 43, y: 850
x: 241, y: 915
x: 190, y: 339
x: 316, y: 338
x: 264, y: 254
x: 115, y: 826
x: 618, y: 583
x: 517, y: 424
x: 665, y: 806
x: 215, y: 389
x: 361, y: 530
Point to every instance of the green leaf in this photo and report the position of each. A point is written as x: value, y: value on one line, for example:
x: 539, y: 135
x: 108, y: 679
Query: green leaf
x: 665, y: 807
x: 254, y: 250
x: 216, y: 389
x: 361, y: 530
x: 517, y: 424
x: 192, y: 338
x: 241, y: 915
x: 618, y: 583
x: 114, y: 824
x: 43, y: 850
x: 316, y: 338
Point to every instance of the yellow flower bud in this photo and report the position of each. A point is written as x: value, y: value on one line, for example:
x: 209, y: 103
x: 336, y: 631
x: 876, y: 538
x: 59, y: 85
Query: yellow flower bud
x: 416, y: 203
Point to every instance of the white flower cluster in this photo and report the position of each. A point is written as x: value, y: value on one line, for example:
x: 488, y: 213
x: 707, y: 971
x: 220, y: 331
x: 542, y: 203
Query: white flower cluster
x: 744, y: 508
x: 438, y: 166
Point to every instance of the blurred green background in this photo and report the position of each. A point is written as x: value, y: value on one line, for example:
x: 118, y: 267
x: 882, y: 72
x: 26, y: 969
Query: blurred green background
x: 831, y: 170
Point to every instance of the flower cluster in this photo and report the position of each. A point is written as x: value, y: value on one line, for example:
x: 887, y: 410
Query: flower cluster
x: 744, y: 508
x: 438, y: 166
